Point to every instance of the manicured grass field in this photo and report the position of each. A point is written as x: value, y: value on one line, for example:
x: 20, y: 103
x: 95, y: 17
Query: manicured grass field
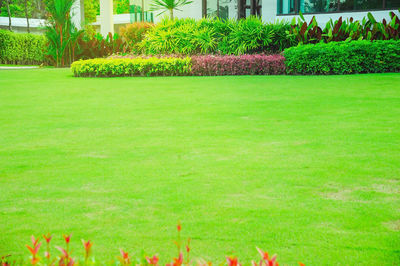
x: 303, y: 166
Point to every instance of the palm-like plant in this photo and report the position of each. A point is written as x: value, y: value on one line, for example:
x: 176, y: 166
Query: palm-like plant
x: 169, y: 5
x: 61, y: 32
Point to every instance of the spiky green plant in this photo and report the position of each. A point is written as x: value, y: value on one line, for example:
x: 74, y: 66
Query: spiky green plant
x: 169, y: 5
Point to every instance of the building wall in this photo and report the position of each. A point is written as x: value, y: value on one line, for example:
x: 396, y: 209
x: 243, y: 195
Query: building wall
x: 359, y: 15
x: 269, y: 11
x: 193, y: 10
x: 19, y: 25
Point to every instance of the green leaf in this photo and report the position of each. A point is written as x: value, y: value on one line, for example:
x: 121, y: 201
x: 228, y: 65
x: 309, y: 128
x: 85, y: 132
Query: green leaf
x: 301, y: 16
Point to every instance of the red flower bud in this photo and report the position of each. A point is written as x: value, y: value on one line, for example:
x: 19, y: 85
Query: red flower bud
x: 232, y: 261
x: 124, y: 254
x: 153, y: 260
x: 67, y: 238
x: 269, y: 261
x: 87, y: 245
x: 47, y: 238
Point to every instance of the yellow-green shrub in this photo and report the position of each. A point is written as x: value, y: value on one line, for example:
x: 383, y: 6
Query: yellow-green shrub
x: 21, y: 48
x: 169, y: 66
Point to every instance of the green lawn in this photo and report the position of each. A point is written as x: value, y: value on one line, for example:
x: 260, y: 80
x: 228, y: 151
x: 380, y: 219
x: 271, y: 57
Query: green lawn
x: 16, y: 66
x: 303, y: 166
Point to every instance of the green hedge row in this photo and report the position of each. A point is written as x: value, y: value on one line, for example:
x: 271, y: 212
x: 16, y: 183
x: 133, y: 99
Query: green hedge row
x: 132, y: 67
x: 21, y: 48
x: 344, y: 57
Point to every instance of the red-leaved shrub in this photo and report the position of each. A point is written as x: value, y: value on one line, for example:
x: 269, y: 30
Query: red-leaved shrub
x: 257, y: 64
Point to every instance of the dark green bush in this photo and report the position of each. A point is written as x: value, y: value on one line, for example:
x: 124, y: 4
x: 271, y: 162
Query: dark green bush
x: 170, y: 66
x: 21, y: 48
x: 281, y: 38
x: 344, y: 57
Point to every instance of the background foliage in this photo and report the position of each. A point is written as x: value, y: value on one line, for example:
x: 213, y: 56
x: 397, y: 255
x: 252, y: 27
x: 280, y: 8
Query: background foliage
x: 37, y: 8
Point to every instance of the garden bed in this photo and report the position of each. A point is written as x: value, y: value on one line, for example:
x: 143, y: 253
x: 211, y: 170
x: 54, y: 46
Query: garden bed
x: 323, y: 58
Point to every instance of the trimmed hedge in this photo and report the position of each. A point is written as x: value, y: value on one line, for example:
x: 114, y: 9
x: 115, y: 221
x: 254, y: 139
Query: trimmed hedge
x: 132, y: 67
x: 344, y: 57
x: 21, y: 48
x: 209, y: 65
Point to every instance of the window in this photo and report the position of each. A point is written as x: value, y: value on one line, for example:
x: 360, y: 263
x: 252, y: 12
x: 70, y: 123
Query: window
x: 324, y: 6
x: 224, y: 9
x: 227, y: 9
x: 318, y: 6
x: 392, y: 3
x: 348, y: 5
x: 286, y: 7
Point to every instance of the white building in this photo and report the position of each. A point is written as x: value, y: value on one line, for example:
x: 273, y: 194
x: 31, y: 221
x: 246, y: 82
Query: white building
x: 269, y: 10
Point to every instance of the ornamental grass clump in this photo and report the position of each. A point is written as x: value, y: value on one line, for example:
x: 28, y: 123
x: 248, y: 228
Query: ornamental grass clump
x: 216, y: 36
x: 180, y: 36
